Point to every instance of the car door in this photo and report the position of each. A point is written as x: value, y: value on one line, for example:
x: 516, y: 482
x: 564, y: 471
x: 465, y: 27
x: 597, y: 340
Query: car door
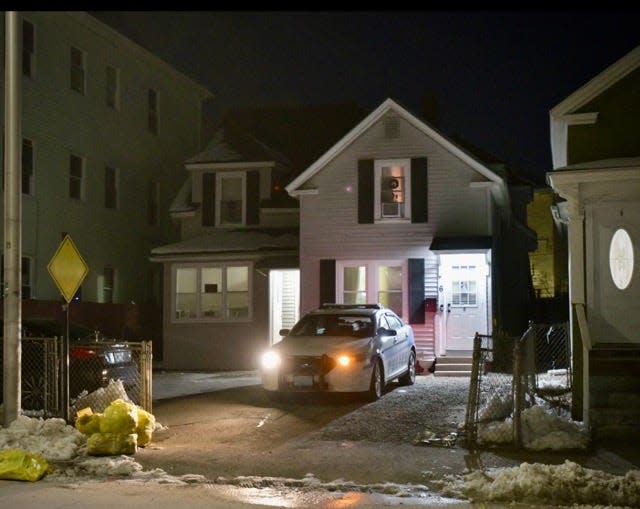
x: 400, y: 344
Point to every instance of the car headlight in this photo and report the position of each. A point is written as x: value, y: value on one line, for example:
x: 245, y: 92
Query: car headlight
x: 271, y: 360
x: 345, y: 360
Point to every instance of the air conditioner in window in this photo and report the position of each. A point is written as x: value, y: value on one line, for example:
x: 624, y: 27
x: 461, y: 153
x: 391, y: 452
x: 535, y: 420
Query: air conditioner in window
x: 391, y: 209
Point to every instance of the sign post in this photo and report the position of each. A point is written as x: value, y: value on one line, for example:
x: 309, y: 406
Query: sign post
x: 68, y: 270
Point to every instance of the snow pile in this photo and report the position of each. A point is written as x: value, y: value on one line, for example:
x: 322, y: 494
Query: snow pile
x: 565, y: 484
x: 542, y: 428
x: 101, y: 398
x: 52, y: 439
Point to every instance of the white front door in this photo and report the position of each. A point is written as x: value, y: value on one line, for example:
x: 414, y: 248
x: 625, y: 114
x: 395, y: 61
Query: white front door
x: 463, y: 280
x: 284, y: 301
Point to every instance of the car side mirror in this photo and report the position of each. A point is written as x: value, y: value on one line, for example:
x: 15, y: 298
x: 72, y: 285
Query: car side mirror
x: 386, y: 332
x: 284, y: 332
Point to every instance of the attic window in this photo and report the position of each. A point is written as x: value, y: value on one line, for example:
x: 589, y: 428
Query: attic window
x: 391, y: 127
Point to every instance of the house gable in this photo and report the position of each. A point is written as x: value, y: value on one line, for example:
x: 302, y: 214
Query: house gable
x: 579, y: 109
x: 299, y: 184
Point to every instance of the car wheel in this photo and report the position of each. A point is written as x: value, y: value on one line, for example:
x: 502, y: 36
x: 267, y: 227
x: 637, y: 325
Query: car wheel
x: 377, y: 382
x: 409, y: 377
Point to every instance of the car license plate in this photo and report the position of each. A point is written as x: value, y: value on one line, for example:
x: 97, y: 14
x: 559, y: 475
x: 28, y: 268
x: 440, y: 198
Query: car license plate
x: 303, y: 381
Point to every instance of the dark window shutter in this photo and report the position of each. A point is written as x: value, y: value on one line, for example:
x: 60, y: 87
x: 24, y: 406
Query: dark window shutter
x: 416, y: 290
x: 327, y: 281
x: 419, y: 190
x: 209, y: 199
x: 253, y: 197
x: 365, y: 191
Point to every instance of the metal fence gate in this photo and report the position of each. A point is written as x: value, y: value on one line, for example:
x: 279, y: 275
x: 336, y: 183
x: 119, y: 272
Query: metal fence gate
x: 96, y: 376
x: 511, y: 374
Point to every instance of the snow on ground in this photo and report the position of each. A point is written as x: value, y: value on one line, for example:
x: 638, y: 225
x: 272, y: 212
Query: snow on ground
x: 566, y: 484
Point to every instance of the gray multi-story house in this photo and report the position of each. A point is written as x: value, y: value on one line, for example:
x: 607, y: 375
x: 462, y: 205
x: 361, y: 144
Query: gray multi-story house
x: 106, y: 127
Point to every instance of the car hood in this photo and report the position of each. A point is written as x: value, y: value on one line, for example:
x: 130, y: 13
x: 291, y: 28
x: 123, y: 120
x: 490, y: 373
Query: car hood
x: 318, y: 345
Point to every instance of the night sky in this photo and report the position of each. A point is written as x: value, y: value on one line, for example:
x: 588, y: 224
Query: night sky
x: 494, y: 74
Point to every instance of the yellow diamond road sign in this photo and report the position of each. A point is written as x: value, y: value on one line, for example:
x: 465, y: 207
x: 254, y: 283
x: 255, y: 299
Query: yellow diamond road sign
x: 67, y: 268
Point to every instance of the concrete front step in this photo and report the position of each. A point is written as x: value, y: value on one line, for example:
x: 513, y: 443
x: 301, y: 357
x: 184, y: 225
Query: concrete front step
x: 458, y: 373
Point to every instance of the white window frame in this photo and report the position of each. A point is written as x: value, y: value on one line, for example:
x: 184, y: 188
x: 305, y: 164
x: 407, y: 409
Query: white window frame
x: 81, y: 178
x: 378, y: 165
x: 203, y: 319
x: 112, y: 90
x: 30, y: 178
x: 78, y: 73
x: 116, y: 187
x: 29, y: 54
x: 220, y: 177
x: 372, y: 280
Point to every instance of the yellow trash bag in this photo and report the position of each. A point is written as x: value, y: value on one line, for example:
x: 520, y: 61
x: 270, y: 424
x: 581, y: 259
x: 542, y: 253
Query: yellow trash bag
x: 87, y: 422
x: 146, y: 426
x: 119, y: 417
x: 19, y: 465
x: 112, y: 444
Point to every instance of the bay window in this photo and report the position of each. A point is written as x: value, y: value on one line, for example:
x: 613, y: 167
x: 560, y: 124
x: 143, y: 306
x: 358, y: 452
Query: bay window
x: 212, y: 292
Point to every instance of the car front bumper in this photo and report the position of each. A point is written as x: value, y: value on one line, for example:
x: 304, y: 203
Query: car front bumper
x: 307, y: 375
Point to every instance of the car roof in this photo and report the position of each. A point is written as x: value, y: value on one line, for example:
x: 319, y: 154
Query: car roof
x: 360, y: 309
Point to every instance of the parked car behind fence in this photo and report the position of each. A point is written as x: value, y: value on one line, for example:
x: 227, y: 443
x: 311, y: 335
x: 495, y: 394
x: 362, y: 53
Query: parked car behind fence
x: 94, y: 361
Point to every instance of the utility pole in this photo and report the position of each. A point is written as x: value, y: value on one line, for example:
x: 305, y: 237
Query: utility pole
x: 12, y: 350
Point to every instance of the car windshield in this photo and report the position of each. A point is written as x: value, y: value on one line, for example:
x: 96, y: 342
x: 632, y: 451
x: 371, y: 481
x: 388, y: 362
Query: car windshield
x: 356, y: 326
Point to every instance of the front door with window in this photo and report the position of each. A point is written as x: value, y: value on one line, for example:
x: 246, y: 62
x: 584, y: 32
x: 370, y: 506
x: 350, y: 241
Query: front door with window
x: 463, y: 285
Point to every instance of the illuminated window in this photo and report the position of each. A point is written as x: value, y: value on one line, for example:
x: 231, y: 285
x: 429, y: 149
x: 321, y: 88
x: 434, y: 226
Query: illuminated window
x: 355, y: 285
x: 392, y: 189
x: 206, y: 292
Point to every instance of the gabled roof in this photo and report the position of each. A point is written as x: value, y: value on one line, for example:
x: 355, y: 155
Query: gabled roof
x: 299, y: 133
x: 372, y: 118
x: 230, y: 144
x: 594, y: 87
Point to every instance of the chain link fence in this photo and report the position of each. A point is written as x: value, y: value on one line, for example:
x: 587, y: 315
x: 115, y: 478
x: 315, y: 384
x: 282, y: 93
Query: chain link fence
x: 99, y: 372
x: 511, y: 374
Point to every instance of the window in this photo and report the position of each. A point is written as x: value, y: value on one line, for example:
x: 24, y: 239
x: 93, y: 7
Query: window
x: 108, y: 282
x: 25, y: 275
x: 28, y: 49
x: 153, y: 111
x: 153, y: 202
x: 231, y: 198
x: 76, y: 177
x: 77, y: 70
x: 27, y: 166
x: 621, y: 259
x: 392, y: 189
x: 390, y: 286
x: 372, y: 281
x: 110, y: 187
x: 464, y: 292
x: 212, y: 292
x: 355, y: 285
x: 230, y: 202
x: 113, y: 88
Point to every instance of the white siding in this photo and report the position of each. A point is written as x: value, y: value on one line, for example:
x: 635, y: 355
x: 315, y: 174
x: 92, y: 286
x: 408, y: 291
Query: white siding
x: 329, y: 225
